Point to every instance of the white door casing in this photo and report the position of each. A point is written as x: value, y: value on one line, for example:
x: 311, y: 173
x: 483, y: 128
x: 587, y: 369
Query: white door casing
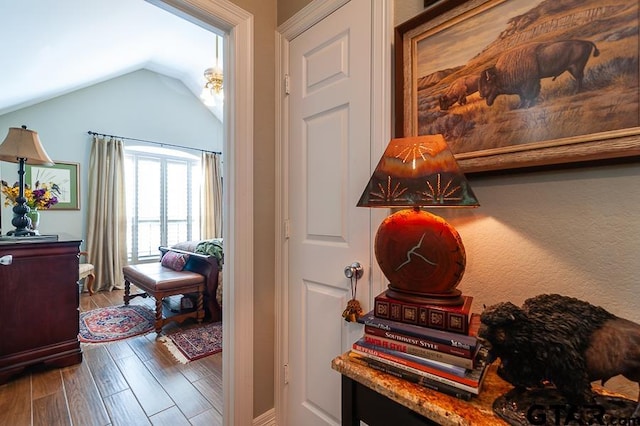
x: 237, y: 357
x: 336, y: 82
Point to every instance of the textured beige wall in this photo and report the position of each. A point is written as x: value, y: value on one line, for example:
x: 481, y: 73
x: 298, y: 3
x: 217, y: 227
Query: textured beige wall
x: 572, y: 231
x: 288, y: 8
x: 264, y: 13
x: 406, y: 9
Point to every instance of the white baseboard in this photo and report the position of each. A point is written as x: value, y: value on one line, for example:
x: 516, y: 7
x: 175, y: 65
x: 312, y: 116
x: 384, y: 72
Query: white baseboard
x: 268, y: 418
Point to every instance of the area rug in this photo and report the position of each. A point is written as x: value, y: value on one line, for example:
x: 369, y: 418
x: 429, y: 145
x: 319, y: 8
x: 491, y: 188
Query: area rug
x: 195, y: 343
x: 115, y: 323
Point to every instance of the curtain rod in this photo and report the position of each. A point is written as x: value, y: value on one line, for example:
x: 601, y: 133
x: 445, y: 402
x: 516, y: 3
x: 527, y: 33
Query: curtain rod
x: 154, y: 142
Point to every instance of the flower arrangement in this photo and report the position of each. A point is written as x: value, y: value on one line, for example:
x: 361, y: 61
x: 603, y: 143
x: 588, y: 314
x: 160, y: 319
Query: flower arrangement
x: 42, y: 197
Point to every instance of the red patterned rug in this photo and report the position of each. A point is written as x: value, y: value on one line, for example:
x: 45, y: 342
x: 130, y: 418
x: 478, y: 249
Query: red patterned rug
x: 195, y: 343
x: 115, y: 323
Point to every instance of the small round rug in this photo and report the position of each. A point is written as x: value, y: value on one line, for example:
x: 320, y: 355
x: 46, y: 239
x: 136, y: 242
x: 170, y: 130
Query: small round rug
x: 115, y: 323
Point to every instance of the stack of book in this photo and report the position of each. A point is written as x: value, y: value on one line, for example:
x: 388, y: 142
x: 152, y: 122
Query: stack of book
x: 431, y: 345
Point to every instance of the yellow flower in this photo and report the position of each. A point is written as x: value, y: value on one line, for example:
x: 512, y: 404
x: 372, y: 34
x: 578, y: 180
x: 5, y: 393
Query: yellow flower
x: 42, y: 197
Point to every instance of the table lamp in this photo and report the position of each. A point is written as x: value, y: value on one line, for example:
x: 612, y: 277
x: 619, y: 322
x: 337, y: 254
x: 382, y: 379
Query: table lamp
x: 421, y: 254
x: 22, y: 145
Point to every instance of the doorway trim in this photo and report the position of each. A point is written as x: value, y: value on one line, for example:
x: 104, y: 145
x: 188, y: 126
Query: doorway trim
x: 237, y: 315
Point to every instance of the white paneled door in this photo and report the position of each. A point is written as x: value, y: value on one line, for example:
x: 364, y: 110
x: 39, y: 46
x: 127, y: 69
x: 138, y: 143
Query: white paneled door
x: 329, y: 152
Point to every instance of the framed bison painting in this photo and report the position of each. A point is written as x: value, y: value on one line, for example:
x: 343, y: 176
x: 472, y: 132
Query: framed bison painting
x: 522, y: 83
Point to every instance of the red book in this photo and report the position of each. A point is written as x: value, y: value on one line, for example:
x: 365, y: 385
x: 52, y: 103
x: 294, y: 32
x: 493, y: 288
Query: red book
x: 423, y: 342
x: 448, y: 318
x: 439, y: 340
x: 421, y: 351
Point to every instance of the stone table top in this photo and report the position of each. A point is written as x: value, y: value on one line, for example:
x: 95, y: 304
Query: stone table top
x: 436, y: 406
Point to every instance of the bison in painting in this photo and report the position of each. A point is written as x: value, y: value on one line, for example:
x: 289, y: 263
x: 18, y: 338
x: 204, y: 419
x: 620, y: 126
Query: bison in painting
x: 458, y: 91
x: 518, y: 71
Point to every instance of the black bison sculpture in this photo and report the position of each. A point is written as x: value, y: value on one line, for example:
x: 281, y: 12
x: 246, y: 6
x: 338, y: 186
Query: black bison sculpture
x: 518, y: 71
x: 563, y: 341
x: 458, y: 91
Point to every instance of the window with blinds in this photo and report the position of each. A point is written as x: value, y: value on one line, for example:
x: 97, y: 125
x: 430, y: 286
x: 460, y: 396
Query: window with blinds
x: 163, y: 200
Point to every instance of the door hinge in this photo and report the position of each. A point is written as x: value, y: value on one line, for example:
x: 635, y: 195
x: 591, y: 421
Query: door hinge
x: 287, y: 87
x: 285, y: 371
x: 286, y: 229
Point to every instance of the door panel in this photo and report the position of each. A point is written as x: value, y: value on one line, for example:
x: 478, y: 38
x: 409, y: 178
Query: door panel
x: 327, y: 167
x: 329, y: 151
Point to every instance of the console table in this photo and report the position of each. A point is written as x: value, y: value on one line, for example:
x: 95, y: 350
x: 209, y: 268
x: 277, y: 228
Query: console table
x: 380, y: 399
x: 39, y: 319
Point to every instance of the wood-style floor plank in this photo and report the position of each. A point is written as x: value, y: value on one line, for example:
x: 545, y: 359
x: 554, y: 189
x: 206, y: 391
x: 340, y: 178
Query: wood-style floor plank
x: 87, y: 303
x: 119, y: 350
x: 200, y: 368
x: 211, y: 387
x: 103, y: 300
x: 83, y: 398
x: 51, y: 410
x: 114, y: 298
x: 124, y: 410
x: 145, y: 348
x: 106, y: 373
x: 208, y: 418
x: 169, y: 417
x: 190, y: 401
x: 150, y: 394
x: 15, y: 402
x: 213, y: 364
x: 128, y: 382
x: 46, y: 382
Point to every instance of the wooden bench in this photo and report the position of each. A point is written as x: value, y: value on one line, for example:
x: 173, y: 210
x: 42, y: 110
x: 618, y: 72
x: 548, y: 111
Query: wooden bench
x: 159, y: 282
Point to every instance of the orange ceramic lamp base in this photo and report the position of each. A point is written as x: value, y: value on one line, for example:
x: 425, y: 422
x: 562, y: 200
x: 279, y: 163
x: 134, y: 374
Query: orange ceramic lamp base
x: 422, y: 256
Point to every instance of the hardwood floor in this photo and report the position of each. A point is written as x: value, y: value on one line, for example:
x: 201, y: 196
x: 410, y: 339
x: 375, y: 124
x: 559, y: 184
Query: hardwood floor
x: 129, y: 382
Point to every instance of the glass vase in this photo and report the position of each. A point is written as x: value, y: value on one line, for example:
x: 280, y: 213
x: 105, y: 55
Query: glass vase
x: 34, y: 215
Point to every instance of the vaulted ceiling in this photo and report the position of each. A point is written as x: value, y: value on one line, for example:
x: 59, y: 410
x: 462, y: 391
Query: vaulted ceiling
x: 50, y: 48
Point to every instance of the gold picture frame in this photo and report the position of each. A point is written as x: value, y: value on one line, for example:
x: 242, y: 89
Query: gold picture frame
x: 565, y: 123
x: 65, y: 175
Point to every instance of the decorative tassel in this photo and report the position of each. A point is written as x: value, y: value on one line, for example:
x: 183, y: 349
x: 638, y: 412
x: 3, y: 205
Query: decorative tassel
x: 353, y: 311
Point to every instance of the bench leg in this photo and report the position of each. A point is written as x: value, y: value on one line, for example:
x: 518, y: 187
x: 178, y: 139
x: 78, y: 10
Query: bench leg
x: 200, y: 306
x: 127, y: 291
x: 159, y: 322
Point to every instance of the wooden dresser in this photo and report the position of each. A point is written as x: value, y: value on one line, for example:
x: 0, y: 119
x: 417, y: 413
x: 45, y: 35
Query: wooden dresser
x: 39, y: 312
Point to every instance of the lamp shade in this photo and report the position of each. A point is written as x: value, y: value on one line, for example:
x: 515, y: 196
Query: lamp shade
x: 22, y: 143
x: 418, y: 171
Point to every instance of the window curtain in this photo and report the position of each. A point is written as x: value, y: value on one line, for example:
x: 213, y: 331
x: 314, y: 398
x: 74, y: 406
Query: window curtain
x: 211, y: 210
x: 106, y: 213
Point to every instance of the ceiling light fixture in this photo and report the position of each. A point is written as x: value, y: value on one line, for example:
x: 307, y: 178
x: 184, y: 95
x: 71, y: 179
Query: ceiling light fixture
x: 212, y: 93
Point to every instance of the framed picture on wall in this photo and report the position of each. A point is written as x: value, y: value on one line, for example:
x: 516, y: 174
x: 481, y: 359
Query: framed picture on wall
x: 520, y: 83
x: 64, y: 175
